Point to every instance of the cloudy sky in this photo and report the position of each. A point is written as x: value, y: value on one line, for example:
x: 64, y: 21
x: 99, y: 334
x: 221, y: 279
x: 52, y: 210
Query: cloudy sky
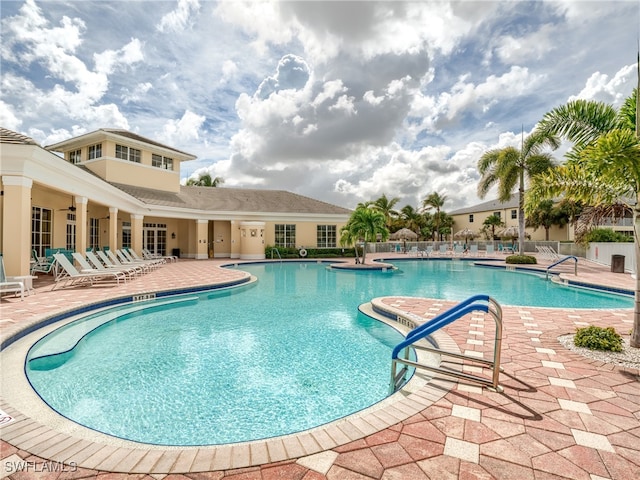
x: 340, y: 101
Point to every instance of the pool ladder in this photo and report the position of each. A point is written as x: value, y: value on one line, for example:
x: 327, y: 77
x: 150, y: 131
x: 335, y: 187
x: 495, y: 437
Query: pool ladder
x: 570, y: 257
x: 400, y: 357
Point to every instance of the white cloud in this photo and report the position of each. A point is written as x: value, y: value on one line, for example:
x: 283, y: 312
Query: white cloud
x: 187, y: 128
x: 601, y: 88
x: 180, y: 18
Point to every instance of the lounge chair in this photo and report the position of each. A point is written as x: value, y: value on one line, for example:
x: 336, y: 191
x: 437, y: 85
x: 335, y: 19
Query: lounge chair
x: 150, y: 256
x: 442, y: 249
x: 428, y: 251
x: 118, y: 258
x: 109, y: 262
x: 130, y: 272
x: 126, y: 258
x: 458, y: 250
x: 137, y: 258
x: 10, y: 284
x: 70, y: 276
x: 490, y: 249
x: 85, y: 267
x: 473, y: 250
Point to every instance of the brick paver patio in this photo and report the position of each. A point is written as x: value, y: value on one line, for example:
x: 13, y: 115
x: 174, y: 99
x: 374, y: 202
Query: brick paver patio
x: 560, y: 415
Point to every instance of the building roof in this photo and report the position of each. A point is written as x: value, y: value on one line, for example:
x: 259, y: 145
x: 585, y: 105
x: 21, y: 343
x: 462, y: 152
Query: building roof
x: 223, y: 199
x: 491, y: 205
x: 9, y: 136
x: 69, y: 143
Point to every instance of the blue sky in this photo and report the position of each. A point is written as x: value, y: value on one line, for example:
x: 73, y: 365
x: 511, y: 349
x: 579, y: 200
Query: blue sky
x: 340, y: 101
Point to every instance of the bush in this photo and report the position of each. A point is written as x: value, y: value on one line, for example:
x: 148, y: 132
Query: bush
x: 598, y: 338
x: 606, y: 235
x: 521, y: 259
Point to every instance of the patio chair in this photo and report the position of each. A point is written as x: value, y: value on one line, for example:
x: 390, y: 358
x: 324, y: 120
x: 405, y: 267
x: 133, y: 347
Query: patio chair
x: 148, y: 255
x: 458, y: 250
x: 134, y: 256
x: 490, y: 249
x: 473, y: 250
x: 428, y: 251
x: 85, y: 267
x: 70, y: 276
x: 10, y: 284
x: 442, y: 249
x: 126, y: 258
x: 109, y: 262
x: 130, y: 272
x: 41, y: 264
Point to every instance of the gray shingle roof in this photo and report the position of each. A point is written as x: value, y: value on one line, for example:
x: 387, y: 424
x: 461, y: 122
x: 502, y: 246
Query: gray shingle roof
x: 225, y: 199
x: 488, y: 206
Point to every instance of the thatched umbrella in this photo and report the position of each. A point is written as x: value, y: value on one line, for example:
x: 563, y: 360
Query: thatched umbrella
x: 466, y: 233
x: 404, y: 234
x: 509, y: 232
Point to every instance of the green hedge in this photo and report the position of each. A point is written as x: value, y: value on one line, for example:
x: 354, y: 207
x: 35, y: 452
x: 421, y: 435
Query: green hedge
x: 521, y: 259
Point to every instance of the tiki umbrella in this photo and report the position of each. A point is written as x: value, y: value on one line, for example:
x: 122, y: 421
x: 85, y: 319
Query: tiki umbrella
x: 466, y: 233
x: 404, y: 234
x: 509, y: 232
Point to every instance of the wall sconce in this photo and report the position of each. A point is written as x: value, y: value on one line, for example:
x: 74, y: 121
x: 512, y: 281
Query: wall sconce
x: 173, y: 235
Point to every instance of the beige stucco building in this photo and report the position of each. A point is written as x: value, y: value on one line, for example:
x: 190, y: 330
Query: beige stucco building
x: 473, y: 218
x: 113, y: 188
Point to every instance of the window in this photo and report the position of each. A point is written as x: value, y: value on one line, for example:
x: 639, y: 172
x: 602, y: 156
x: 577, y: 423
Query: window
x: 285, y: 235
x: 326, y: 237
x: 497, y: 214
x: 75, y: 156
x: 162, y: 162
x: 514, y: 214
x: 71, y: 231
x: 41, y: 222
x: 94, y: 234
x: 95, y: 151
x: 126, y: 234
x: 127, y: 153
x: 471, y: 218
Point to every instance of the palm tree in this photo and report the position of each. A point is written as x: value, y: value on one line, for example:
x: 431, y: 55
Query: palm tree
x: 603, y: 166
x: 492, y: 222
x: 386, y: 205
x: 205, y: 180
x: 412, y: 219
x: 365, y: 224
x: 509, y: 167
x: 545, y: 215
x: 435, y: 200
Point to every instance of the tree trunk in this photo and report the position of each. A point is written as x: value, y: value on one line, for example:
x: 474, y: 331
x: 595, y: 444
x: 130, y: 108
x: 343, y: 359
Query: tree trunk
x: 364, y: 251
x: 521, y: 214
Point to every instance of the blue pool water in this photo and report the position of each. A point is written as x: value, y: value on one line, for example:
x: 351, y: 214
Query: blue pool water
x: 285, y: 354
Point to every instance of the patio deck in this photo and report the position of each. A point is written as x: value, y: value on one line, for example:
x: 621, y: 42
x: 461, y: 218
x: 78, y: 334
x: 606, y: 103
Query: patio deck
x: 560, y: 415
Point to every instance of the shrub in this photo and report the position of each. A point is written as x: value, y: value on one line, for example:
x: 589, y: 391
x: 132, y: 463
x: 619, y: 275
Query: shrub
x: 598, y: 338
x: 521, y: 259
x: 606, y: 235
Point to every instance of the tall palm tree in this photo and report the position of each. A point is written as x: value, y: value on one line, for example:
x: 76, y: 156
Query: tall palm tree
x: 365, y: 224
x: 435, y: 200
x: 205, y: 180
x: 509, y: 168
x: 602, y: 167
x: 385, y: 205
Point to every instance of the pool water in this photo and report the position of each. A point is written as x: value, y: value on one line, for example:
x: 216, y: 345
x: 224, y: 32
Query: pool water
x: 288, y: 353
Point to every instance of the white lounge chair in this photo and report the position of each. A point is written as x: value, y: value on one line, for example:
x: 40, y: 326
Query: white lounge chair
x: 118, y: 258
x: 473, y: 250
x: 85, y: 267
x: 68, y: 275
x: 10, y: 284
x: 149, y: 256
x: 129, y: 272
x: 442, y: 249
x: 490, y: 249
x: 111, y: 263
x: 125, y: 257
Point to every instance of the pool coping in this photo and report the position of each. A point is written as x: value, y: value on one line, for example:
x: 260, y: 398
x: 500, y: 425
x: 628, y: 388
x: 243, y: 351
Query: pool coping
x: 46, y: 434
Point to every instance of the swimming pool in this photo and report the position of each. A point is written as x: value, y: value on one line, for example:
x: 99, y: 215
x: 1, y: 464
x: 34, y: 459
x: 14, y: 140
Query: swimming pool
x: 286, y: 354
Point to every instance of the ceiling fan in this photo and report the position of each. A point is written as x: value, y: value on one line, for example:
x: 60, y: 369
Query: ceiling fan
x: 70, y: 208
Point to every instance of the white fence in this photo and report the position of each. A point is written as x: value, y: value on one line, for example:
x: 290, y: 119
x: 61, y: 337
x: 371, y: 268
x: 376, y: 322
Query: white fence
x: 602, y: 252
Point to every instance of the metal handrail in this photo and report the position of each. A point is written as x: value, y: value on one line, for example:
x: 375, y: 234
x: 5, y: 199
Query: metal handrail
x: 277, y: 251
x: 460, y: 310
x: 562, y: 260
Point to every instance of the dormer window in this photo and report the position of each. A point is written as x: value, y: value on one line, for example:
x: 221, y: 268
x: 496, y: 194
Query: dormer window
x: 94, y: 151
x: 75, y: 156
x: 128, y: 153
x: 161, y: 162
